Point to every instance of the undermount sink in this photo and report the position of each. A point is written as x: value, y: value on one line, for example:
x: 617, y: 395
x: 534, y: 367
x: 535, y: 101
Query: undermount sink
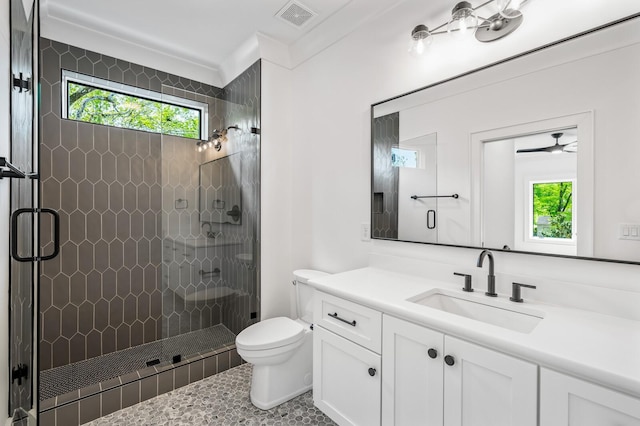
x: 493, y: 312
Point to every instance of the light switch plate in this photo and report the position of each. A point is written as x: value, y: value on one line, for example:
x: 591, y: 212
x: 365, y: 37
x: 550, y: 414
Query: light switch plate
x: 629, y: 231
x: 365, y: 232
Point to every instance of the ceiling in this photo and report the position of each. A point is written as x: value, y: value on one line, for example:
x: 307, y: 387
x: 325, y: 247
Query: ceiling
x: 207, y: 33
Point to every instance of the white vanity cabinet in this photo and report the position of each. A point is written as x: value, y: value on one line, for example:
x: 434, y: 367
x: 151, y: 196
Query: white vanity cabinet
x: 346, y: 361
x: 568, y: 401
x: 480, y: 387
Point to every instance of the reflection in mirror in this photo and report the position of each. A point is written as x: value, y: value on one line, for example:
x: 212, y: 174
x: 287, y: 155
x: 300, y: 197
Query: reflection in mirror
x: 497, y: 130
x: 221, y: 192
x: 404, y: 201
x: 528, y: 191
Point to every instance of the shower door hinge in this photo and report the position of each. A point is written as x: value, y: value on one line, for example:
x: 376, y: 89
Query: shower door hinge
x: 23, y: 85
x: 20, y: 372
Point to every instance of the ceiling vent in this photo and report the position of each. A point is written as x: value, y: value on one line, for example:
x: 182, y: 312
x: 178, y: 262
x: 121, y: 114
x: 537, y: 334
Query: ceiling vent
x: 296, y: 14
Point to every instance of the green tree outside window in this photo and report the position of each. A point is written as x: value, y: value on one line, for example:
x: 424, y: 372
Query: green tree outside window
x: 552, y: 210
x: 101, y: 106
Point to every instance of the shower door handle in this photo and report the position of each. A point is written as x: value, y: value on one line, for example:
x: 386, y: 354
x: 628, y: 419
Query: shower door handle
x: 431, y: 219
x: 14, y: 234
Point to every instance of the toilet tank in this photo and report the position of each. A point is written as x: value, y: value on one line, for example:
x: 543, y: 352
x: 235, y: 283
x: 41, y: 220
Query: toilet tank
x: 304, y: 293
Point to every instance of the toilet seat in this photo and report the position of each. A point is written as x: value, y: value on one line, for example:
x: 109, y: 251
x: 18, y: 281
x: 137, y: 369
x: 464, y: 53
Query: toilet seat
x: 269, y: 334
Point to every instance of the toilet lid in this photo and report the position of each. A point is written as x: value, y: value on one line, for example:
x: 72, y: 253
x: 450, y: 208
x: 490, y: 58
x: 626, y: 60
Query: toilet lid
x: 269, y: 334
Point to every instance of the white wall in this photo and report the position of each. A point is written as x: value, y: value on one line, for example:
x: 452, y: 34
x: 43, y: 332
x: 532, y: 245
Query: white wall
x: 5, y: 54
x: 498, y: 204
x: 278, y: 209
x: 331, y: 157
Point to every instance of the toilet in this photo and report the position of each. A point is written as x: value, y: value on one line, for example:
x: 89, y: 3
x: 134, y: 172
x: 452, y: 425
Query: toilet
x: 281, y: 349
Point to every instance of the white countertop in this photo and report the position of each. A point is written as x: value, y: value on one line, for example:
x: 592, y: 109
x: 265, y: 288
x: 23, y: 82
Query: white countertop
x: 600, y: 348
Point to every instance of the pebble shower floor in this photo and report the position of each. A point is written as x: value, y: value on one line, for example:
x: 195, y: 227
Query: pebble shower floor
x: 222, y: 399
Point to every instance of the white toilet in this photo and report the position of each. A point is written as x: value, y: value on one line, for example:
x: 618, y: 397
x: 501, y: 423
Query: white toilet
x: 281, y: 350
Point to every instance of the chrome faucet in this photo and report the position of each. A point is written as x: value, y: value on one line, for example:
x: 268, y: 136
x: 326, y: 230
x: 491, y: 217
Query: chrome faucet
x: 491, y: 279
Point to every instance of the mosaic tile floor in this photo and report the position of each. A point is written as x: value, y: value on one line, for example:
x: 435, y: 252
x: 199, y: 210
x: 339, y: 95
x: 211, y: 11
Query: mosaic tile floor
x: 222, y: 399
x: 60, y: 380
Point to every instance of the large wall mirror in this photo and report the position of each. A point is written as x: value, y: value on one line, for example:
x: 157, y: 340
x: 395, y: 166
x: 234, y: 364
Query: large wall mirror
x: 536, y: 154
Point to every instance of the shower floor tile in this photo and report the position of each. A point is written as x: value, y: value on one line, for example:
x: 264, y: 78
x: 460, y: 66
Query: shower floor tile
x: 222, y: 399
x: 67, y: 378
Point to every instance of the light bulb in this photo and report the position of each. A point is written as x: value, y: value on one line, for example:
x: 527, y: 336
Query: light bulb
x: 210, y: 144
x: 421, y: 38
x: 463, y: 18
x: 510, y: 8
x: 199, y: 148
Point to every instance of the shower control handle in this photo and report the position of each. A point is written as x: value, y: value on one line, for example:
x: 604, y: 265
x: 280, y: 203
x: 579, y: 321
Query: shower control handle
x: 335, y: 315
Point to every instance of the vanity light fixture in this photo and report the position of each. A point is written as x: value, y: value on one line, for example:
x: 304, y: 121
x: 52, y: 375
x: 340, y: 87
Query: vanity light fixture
x: 215, y: 140
x: 465, y: 20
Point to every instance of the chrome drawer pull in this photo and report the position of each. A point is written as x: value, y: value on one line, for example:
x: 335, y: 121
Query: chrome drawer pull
x: 335, y: 315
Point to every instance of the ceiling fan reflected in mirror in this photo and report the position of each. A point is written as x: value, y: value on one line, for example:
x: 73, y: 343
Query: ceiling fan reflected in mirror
x: 556, y: 148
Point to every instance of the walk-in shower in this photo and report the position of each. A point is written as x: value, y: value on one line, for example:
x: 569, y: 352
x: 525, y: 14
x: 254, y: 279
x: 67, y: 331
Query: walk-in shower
x: 159, y: 240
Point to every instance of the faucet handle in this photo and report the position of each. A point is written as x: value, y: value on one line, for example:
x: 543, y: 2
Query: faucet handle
x: 467, y: 281
x: 515, y: 291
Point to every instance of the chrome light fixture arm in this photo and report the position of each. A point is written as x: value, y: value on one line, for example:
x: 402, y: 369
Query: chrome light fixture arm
x: 465, y: 19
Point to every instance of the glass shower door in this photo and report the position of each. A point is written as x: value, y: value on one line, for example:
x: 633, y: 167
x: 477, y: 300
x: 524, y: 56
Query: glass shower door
x: 22, y: 384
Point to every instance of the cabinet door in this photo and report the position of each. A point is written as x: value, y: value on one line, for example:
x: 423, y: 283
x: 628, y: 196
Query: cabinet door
x: 484, y: 387
x: 346, y: 380
x: 567, y: 401
x: 412, y: 381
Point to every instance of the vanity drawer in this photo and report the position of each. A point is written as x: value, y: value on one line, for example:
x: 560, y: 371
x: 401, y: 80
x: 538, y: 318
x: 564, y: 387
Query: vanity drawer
x: 355, y: 322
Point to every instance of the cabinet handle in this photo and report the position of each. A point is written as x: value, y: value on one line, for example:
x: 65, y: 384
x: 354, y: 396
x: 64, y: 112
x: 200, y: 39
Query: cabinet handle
x: 449, y: 360
x: 335, y: 315
x: 372, y: 372
x: 433, y: 354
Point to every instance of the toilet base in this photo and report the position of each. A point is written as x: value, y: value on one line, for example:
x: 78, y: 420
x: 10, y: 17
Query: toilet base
x: 272, y: 385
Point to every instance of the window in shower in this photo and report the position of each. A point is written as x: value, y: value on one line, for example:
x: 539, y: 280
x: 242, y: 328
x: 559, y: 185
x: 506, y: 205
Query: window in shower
x: 99, y: 101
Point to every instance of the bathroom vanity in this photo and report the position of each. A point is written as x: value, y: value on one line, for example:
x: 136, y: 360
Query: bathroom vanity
x: 397, y: 349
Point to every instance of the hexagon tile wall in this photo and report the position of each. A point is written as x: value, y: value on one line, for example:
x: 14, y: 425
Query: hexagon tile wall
x: 105, y: 292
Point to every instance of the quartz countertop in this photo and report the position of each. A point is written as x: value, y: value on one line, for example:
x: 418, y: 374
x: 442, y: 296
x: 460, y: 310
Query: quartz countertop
x: 599, y: 348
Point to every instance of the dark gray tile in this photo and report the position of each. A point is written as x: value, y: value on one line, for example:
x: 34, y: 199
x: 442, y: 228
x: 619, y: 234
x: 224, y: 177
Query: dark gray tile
x: 181, y: 376
x: 89, y: 408
x: 110, y: 401
x: 131, y: 394
x: 47, y: 404
x: 110, y: 384
x: 196, y: 371
x: 210, y: 366
x: 223, y: 361
x: 165, y: 382
x: 148, y: 387
x: 68, y: 414
x: 90, y: 390
x: 47, y: 418
x: 234, y: 358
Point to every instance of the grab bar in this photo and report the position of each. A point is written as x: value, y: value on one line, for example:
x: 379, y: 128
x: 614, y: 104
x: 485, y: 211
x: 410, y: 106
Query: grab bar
x: 415, y: 197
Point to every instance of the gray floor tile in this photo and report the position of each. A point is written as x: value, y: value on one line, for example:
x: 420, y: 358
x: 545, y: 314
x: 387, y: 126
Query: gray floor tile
x: 222, y: 399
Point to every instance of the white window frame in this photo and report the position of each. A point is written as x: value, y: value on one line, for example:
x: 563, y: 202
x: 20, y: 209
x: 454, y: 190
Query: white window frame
x: 529, y: 216
x: 125, y: 89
